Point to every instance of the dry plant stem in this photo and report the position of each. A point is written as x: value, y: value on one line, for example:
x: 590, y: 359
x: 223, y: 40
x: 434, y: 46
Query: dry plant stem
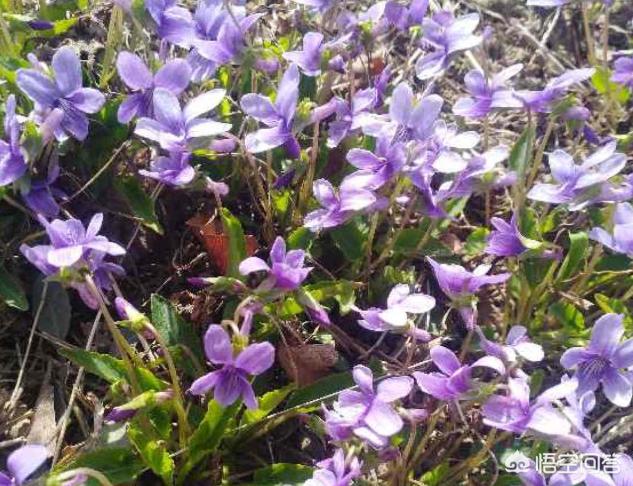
x: 591, y: 51
x: 183, y: 423
x: 85, y: 471
x: 538, y: 158
x: 409, y: 465
x: 306, y: 187
x: 17, y: 389
x: 124, y: 348
x: 63, y: 423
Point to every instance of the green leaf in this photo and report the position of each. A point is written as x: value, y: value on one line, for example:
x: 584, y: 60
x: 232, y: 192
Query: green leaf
x: 154, y: 454
x: 350, y: 240
x: 119, y: 464
x: 140, y: 203
x: 476, y: 242
x: 282, y: 474
x: 578, y: 244
x: 208, y: 435
x: 55, y: 314
x: 109, y: 368
x: 267, y: 403
x: 237, y: 242
x: 11, y: 291
x: 521, y: 152
x: 569, y: 316
x: 300, y: 238
x: 173, y: 328
x: 340, y: 290
x: 601, y: 80
x: 436, y: 475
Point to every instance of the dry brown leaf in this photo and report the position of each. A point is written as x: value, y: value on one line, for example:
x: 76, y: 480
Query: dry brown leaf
x: 306, y: 363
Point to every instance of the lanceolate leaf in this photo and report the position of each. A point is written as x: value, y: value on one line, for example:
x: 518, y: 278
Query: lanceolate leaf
x: 237, y: 242
x: 11, y: 291
x: 141, y: 204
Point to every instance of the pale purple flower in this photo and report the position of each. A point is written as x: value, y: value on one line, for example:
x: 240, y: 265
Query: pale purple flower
x: 517, y: 345
x: 173, y: 76
x: 514, y: 412
x: 335, y: 471
x: 620, y: 239
x: 309, y: 58
x: 279, y: 117
x: 312, y: 307
x: 546, y: 3
x: 173, y: 170
x: 70, y: 241
x: 487, y: 94
x: 286, y: 271
x: 349, y: 119
x: 368, y: 413
x: 337, y: 208
x: 176, y: 129
x: 454, y: 380
x: 580, y: 184
x: 230, y: 382
x: 400, y: 303
x: 318, y: 5
x: 22, y: 463
x: 602, y: 361
x: 624, y: 476
x: 623, y: 71
x: 506, y: 239
x: 403, y: 16
x: 444, y: 35
x: 174, y: 24
x: 383, y: 165
x: 543, y: 101
x: 12, y: 162
x: 63, y: 91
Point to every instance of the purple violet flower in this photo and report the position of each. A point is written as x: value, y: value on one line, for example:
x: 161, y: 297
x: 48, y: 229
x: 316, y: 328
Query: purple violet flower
x: 506, y: 239
x: 173, y: 24
x: 174, y: 170
x: 40, y: 196
x: 309, y: 58
x: 400, y: 303
x: 445, y: 35
x: 518, y: 344
x: 623, y: 71
x: 173, y: 76
x: 486, y: 95
x: 543, y: 101
x: 403, y: 16
x: 22, y: 463
x: 12, y: 162
x: 176, y: 129
x: 64, y: 92
x: 230, y: 382
x: 514, y: 412
x: 454, y: 380
x: 368, y: 413
x: 580, y: 185
x: 320, y: 6
x: 351, y: 118
x: 279, y: 117
x: 601, y: 362
x: 335, y: 471
x: 620, y: 239
x: 286, y: 272
x: 336, y: 209
x: 546, y: 3
x: 383, y: 165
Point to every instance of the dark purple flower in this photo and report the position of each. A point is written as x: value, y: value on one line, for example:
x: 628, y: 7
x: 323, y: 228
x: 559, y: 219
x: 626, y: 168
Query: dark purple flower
x: 176, y: 129
x: 487, y: 94
x: 543, y: 101
x: 40, y: 24
x: 601, y: 362
x: 517, y: 345
x: 353, y: 196
x: 63, y: 91
x: 12, y: 162
x: 173, y: 76
x: 400, y: 303
x: 41, y: 195
x: 230, y: 382
x: 173, y: 24
x: 580, y: 185
x: 454, y: 380
x: 309, y: 58
x: 128, y: 410
x: 623, y: 71
x: 70, y: 241
x: 174, y: 170
x: 335, y: 471
x: 286, y: 271
x: 279, y: 117
x: 620, y: 239
x: 368, y: 413
x: 312, y: 307
x: 444, y: 35
x: 22, y: 463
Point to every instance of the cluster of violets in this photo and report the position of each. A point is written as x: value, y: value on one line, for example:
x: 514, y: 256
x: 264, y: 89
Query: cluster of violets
x: 415, y: 145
